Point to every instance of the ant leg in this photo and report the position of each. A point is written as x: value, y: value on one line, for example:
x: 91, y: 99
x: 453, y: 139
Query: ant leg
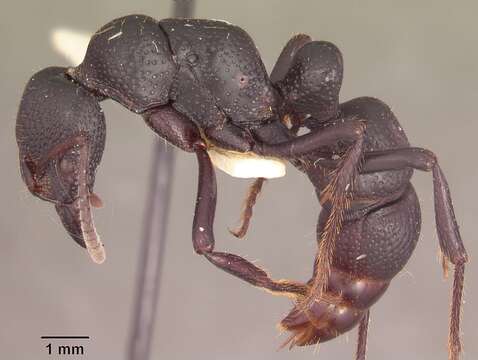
x: 352, y: 130
x: 245, y: 270
x: 203, y: 237
x: 286, y: 56
x: 362, y: 337
x: 246, y: 215
x: 174, y: 127
x: 422, y: 159
x: 280, y: 134
x: 182, y: 132
x: 339, y: 191
x: 310, y: 90
x: 203, y: 232
x: 451, y: 244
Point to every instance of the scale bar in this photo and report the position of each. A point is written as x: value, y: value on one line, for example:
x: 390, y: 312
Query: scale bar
x: 65, y: 337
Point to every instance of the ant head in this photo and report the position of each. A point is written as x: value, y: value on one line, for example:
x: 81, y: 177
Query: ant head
x: 312, y: 84
x: 60, y: 134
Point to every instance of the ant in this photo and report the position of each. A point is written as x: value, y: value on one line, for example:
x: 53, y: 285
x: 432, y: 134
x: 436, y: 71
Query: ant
x: 201, y: 85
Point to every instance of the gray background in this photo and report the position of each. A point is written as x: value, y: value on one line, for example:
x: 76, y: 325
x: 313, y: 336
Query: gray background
x: 420, y: 59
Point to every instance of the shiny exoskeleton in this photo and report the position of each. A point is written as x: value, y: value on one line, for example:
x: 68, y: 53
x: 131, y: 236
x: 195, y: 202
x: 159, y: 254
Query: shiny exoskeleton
x: 201, y: 84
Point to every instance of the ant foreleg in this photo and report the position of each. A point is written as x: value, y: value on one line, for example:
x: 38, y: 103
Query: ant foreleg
x: 182, y: 132
x: 203, y: 232
x: 174, y: 127
x: 203, y: 237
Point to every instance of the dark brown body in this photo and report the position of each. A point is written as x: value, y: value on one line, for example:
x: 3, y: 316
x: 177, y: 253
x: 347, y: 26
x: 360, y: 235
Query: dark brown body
x: 378, y: 235
x: 370, y: 219
x: 202, y: 82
